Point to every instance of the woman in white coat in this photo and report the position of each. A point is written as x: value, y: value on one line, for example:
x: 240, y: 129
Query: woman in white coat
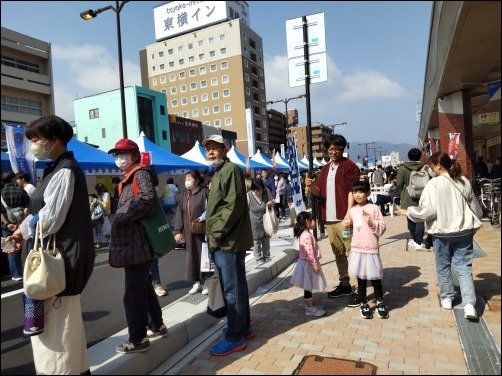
x: 452, y: 215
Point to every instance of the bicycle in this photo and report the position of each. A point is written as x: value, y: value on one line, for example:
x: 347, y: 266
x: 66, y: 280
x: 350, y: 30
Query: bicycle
x: 489, y: 198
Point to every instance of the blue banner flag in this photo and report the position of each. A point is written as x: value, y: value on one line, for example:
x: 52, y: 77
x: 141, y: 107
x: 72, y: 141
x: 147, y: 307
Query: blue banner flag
x: 296, y: 187
x: 19, y: 147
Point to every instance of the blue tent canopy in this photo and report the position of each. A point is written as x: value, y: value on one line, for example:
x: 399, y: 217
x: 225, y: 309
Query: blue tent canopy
x: 87, y: 156
x: 164, y: 160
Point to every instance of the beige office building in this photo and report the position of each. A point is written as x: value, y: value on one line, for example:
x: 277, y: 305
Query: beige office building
x: 27, y: 81
x: 213, y: 75
x: 320, y: 134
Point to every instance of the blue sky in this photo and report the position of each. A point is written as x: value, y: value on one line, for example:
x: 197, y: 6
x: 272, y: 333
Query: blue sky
x: 376, y: 57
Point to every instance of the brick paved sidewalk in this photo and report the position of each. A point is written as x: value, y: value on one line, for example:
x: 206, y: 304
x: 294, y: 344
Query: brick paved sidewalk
x: 418, y: 337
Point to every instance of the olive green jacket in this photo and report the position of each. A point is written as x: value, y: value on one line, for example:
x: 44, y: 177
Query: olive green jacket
x: 227, y: 218
x: 402, y: 180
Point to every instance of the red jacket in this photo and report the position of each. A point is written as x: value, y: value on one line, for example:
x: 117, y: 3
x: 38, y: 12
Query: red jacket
x: 346, y: 175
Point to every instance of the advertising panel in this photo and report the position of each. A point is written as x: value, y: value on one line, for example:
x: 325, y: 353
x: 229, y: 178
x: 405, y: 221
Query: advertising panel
x: 179, y: 17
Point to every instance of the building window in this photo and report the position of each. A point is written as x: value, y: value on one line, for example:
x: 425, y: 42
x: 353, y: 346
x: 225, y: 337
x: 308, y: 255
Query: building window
x: 201, y: 57
x: 195, y: 113
x: 212, y: 53
x: 200, y: 43
x: 227, y: 107
x: 194, y: 99
x: 190, y: 46
x: 172, y: 77
x: 246, y: 63
x: 216, y: 109
x: 174, y: 90
x: 226, y: 92
x: 162, y: 67
x: 164, y: 135
x: 161, y: 53
x: 223, y: 51
x: 206, y: 123
x: 212, y: 68
x: 184, y: 114
x: 203, y: 83
x: 228, y: 121
x: 193, y: 85
x: 217, y: 123
x: 184, y: 101
x: 215, y: 95
x: 180, y: 48
x: 222, y: 37
x: 202, y: 70
x: 205, y: 111
x: 170, y: 51
x: 183, y: 88
x: 246, y: 77
x: 191, y: 72
x: 210, y: 40
x: 191, y: 59
x: 264, y: 124
x: 224, y: 79
x: 93, y: 114
x: 214, y: 81
x: 204, y: 97
x: 164, y: 91
x: 163, y: 79
x: 181, y: 62
x: 248, y: 91
x: 154, y: 81
x: 162, y: 109
x: 153, y: 56
x: 153, y: 68
x: 224, y: 64
x: 171, y: 64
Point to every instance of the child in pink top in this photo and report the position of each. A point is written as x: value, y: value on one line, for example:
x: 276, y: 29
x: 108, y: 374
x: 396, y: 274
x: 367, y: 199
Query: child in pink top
x: 308, y: 274
x: 364, y: 260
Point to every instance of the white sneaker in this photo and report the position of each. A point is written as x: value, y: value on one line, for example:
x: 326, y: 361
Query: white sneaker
x: 195, y: 289
x: 470, y: 312
x: 418, y: 247
x: 314, y: 311
x: 159, y: 290
x: 411, y: 243
x: 205, y: 291
x: 446, y: 303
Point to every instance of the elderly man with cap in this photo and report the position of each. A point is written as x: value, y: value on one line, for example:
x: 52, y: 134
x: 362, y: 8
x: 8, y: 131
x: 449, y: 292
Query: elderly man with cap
x: 229, y: 235
x: 129, y: 248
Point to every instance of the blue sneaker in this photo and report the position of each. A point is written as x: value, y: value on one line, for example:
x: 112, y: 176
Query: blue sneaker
x: 248, y: 334
x: 225, y: 347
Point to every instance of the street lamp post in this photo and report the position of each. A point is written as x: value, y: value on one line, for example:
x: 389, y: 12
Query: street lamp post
x: 375, y: 151
x: 332, y: 126
x: 286, y: 101
x: 89, y: 15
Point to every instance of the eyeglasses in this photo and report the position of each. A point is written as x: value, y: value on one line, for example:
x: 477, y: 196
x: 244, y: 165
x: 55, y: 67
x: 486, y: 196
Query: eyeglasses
x: 215, y: 147
x: 333, y: 149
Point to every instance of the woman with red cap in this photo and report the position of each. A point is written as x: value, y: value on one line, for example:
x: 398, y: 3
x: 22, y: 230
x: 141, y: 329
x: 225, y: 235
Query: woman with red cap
x: 129, y: 247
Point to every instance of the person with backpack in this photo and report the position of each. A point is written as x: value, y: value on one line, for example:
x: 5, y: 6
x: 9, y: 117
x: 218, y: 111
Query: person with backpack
x: 411, y: 180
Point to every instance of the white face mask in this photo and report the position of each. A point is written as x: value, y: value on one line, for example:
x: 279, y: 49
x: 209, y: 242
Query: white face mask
x: 216, y: 163
x: 188, y: 184
x: 39, y: 151
x: 276, y: 178
x: 123, y: 161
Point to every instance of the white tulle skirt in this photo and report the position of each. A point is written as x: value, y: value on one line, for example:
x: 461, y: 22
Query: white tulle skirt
x: 305, y: 277
x: 365, y: 265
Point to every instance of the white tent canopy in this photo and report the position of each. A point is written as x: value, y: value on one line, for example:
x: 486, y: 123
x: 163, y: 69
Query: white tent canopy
x: 260, y: 158
x: 197, y: 154
x: 280, y: 162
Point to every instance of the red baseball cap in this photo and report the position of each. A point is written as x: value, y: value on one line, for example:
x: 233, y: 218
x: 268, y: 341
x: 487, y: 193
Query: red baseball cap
x: 124, y: 144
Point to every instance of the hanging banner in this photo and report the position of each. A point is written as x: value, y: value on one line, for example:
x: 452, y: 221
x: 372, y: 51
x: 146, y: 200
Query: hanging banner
x: 454, y: 141
x: 296, y: 187
x: 19, y: 147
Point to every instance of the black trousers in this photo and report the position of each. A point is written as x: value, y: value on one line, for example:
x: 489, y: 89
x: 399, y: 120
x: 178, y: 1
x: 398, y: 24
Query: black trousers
x: 377, y: 288
x: 141, y: 304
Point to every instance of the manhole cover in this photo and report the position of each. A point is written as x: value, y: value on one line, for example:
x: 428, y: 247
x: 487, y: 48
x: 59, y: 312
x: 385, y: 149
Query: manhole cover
x: 194, y: 299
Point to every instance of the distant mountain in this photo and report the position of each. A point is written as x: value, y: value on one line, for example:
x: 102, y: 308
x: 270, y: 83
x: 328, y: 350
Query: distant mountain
x: 386, y: 147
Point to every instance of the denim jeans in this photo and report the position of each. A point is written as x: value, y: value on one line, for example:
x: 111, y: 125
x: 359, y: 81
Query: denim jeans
x: 16, y: 270
x: 232, y: 270
x: 455, y: 252
x: 154, y: 271
x: 417, y: 230
x: 140, y: 301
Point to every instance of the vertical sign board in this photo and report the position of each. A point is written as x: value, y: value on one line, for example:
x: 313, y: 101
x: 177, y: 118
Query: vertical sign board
x: 318, y: 71
x: 250, y: 132
x: 296, y: 187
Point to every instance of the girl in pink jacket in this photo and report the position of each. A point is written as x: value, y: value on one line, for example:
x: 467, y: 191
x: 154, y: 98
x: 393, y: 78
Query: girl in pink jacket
x: 308, y: 274
x: 364, y: 260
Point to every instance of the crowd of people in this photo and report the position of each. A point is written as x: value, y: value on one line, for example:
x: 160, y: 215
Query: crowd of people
x: 223, y: 211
